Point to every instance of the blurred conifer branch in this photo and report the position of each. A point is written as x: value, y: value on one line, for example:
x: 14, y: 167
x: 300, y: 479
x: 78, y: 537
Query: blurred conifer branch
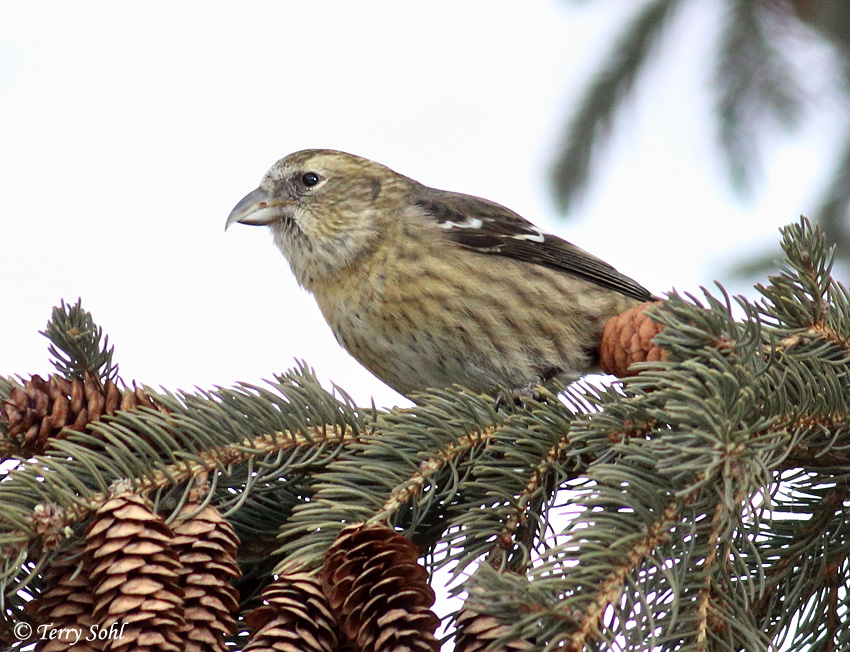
x: 756, y: 88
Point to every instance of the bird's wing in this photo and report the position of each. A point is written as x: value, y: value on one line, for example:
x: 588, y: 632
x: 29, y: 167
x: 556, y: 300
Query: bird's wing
x: 490, y: 228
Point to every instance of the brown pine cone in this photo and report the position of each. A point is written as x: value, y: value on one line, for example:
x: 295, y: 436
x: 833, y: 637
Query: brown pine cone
x: 206, y: 545
x: 627, y: 338
x: 295, y: 616
x: 135, y: 575
x: 67, y: 606
x: 476, y: 632
x: 378, y: 591
x: 46, y: 409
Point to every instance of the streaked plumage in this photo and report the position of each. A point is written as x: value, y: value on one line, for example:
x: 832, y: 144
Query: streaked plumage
x: 428, y: 288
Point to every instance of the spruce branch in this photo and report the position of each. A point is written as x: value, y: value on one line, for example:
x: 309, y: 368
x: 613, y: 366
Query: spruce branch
x: 500, y: 516
x: 698, y: 464
x: 160, y: 452
x: 77, y: 344
x: 56, y: 478
x: 804, y: 299
x: 703, y: 504
x: 407, y: 472
x: 788, y: 579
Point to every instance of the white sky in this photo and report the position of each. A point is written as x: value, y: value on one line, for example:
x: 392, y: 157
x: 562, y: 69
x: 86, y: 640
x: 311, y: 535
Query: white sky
x: 128, y: 132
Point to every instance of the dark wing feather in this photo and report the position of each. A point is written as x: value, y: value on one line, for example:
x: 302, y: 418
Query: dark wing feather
x: 487, y: 227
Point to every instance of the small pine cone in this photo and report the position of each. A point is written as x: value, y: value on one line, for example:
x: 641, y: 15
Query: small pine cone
x: 49, y: 522
x: 206, y: 545
x: 475, y: 632
x: 67, y: 604
x: 378, y: 591
x: 627, y: 338
x: 295, y: 618
x: 46, y: 409
x: 135, y: 575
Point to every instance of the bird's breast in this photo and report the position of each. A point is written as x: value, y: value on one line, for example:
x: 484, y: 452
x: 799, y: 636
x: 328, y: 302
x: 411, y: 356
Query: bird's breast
x: 421, y: 323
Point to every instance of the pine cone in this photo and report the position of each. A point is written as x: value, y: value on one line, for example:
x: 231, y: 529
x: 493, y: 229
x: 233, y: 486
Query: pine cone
x: 135, y: 575
x: 206, y: 545
x: 44, y: 409
x: 627, y: 338
x: 378, y: 591
x: 67, y: 603
x: 296, y: 618
x: 49, y: 522
x: 475, y: 632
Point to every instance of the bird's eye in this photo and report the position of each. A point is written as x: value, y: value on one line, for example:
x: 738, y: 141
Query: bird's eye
x: 310, y: 179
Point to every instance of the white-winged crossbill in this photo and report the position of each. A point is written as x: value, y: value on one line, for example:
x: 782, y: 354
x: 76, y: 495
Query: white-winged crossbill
x: 428, y: 288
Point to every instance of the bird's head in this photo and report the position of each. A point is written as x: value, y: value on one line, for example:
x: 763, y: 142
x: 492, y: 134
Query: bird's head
x: 326, y: 209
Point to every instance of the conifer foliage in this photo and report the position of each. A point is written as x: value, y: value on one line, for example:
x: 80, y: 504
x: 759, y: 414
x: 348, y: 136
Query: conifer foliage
x: 702, y: 504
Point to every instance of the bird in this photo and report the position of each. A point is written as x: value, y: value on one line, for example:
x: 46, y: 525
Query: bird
x: 429, y: 288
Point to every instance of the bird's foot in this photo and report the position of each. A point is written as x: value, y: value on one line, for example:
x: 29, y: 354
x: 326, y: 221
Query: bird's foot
x: 518, y: 396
